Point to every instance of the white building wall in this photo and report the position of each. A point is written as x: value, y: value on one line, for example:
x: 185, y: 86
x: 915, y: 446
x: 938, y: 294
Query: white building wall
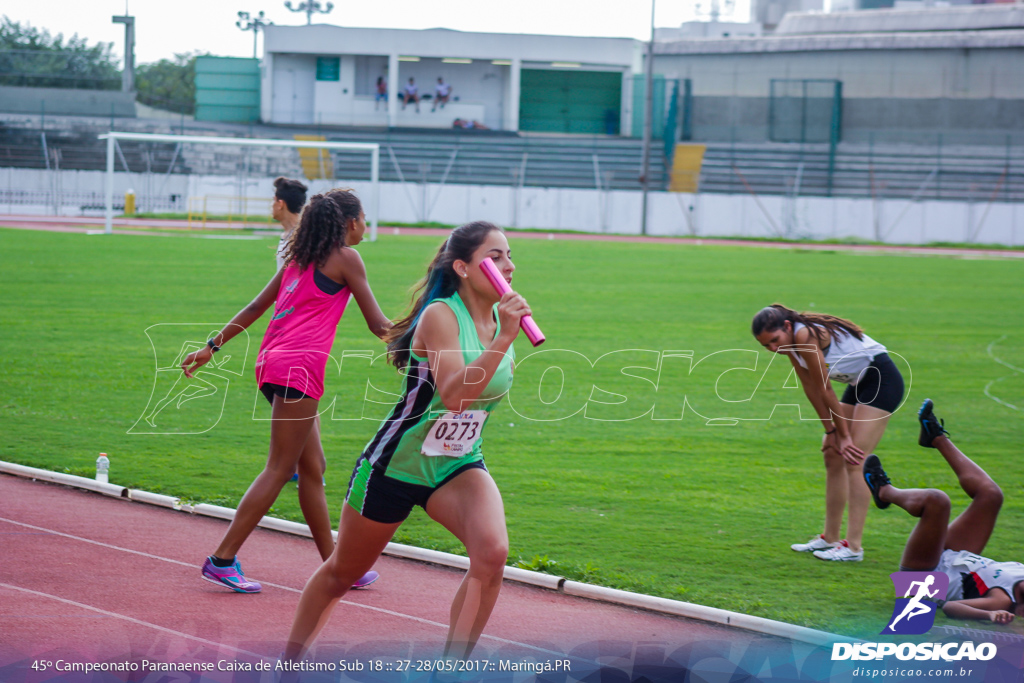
x: 481, y: 84
x: 485, y: 92
x: 266, y: 87
x: 325, y: 39
x: 293, y: 91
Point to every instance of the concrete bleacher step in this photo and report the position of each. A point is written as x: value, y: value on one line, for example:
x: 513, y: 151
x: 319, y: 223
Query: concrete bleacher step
x: 854, y: 170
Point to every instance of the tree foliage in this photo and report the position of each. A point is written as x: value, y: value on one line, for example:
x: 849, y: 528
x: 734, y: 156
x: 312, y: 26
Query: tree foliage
x: 169, y: 84
x: 31, y: 56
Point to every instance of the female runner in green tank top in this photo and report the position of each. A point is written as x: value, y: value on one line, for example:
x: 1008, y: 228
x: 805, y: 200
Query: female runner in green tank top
x: 456, y: 349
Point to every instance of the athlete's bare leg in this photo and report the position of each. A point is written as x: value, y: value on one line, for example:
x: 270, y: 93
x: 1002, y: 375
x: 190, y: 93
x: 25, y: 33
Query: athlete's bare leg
x: 470, y: 507
x: 972, y: 529
x: 837, y: 488
x: 312, y: 498
x: 867, y: 425
x: 928, y: 539
x: 291, y: 426
x: 360, y: 543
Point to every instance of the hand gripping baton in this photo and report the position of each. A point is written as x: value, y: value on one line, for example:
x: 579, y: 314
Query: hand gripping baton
x: 533, y: 332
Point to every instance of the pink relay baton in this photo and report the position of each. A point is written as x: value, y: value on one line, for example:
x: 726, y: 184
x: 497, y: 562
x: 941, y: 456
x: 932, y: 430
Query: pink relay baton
x: 533, y: 332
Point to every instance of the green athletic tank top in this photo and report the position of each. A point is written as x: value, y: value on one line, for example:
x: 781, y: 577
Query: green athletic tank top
x: 396, y: 447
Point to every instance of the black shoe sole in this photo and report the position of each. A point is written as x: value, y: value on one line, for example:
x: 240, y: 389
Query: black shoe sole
x: 873, y: 460
x: 925, y: 416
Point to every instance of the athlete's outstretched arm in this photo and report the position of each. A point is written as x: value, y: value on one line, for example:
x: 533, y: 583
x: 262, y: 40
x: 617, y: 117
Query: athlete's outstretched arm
x: 438, y: 333
x: 245, y: 317
x: 991, y: 607
x: 817, y: 388
x: 354, y: 273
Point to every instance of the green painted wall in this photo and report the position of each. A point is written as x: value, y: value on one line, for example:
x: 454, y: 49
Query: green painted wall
x: 570, y: 101
x: 657, y: 103
x: 227, y: 89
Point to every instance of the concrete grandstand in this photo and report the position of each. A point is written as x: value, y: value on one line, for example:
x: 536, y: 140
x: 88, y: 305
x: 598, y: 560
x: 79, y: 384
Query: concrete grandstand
x: 884, y: 106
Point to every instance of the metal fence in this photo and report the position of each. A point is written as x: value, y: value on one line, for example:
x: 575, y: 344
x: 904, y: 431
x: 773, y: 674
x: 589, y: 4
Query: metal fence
x: 803, y: 110
x: 58, y: 201
x: 942, y: 167
x: 937, y: 171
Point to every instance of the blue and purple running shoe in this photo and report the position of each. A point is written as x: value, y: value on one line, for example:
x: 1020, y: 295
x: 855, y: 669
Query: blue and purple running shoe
x: 232, y: 577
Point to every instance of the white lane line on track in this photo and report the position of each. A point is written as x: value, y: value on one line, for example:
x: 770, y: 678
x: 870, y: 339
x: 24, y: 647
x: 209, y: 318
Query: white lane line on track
x: 267, y: 583
x: 132, y: 620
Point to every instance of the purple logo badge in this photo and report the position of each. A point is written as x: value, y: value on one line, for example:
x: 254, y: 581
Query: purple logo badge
x: 916, y: 596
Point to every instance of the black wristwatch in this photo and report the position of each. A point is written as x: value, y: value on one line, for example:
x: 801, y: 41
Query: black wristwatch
x: 213, y: 347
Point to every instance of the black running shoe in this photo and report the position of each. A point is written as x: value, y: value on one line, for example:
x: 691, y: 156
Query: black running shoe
x: 931, y: 426
x: 875, y: 477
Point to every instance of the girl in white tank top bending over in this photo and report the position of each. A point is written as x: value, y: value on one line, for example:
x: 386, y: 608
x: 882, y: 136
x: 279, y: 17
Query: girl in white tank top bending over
x: 822, y: 348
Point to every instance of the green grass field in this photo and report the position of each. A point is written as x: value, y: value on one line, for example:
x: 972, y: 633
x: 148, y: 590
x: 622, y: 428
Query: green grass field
x: 606, y: 493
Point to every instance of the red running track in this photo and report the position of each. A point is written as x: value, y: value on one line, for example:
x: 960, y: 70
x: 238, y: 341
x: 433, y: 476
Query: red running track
x: 86, y: 578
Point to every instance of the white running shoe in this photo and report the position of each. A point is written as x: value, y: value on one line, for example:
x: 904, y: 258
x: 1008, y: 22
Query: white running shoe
x: 840, y: 553
x: 816, y: 543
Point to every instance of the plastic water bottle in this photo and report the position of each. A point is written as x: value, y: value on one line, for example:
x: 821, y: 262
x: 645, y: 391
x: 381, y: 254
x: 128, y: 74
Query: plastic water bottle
x: 102, y: 468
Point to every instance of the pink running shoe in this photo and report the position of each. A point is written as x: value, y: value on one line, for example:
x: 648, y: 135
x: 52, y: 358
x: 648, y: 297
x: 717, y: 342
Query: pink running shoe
x: 232, y: 577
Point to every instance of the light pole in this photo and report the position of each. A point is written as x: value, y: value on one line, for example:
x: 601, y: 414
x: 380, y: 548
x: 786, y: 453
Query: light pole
x: 714, y: 9
x: 645, y: 170
x: 309, y: 7
x: 128, y: 75
x: 254, y: 24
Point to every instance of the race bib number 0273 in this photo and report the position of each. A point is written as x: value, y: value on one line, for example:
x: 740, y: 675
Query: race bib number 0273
x: 454, y: 434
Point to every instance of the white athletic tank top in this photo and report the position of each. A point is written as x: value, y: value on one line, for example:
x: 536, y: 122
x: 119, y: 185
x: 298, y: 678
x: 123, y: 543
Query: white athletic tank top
x: 847, y: 356
x: 282, y: 247
x: 978, y: 575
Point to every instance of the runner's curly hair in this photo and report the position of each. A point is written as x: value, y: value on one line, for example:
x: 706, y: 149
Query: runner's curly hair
x: 771, y: 318
x: 440, y: 281
x: 322, y: 228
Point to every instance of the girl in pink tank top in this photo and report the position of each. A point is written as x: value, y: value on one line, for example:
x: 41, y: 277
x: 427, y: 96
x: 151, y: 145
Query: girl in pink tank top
x: 322, y: 271
x: 298, y: 340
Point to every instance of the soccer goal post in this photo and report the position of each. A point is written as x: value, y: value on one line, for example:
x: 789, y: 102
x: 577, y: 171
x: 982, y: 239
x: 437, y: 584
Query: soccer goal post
x: 371, y: 147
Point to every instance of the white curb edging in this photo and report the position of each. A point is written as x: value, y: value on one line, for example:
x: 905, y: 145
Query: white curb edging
x: 288, y: 527
x: 549, y: 581
x: 217, y: 511
x: 411, y: 552
x: 112, y: 490
x: 154, y: 499
x: 703, y: 613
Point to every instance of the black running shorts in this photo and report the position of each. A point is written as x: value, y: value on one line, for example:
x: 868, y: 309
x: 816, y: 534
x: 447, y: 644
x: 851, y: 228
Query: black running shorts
x: 880, y: 386
x: 387, y: 500
x: 270, y: 390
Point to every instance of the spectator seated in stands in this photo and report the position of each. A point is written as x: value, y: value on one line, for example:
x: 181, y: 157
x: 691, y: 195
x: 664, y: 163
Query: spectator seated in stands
x: 411, y: 94
x: 468, y: 123
x: 441, y: 93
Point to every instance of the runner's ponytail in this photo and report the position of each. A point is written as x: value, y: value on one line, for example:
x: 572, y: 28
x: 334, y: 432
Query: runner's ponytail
x: 323, y: 228
x: 440, y: 282
x: 771, y: 318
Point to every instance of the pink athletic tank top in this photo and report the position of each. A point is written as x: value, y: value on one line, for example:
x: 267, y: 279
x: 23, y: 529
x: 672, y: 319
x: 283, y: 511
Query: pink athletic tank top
x: 299, y: 337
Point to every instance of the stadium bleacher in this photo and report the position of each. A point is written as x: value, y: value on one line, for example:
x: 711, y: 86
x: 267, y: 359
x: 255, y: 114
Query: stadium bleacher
x: 973, y: 173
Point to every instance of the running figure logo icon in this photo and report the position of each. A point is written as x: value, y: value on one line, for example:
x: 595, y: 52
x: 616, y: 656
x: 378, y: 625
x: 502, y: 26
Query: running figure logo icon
x: 914, y: 613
